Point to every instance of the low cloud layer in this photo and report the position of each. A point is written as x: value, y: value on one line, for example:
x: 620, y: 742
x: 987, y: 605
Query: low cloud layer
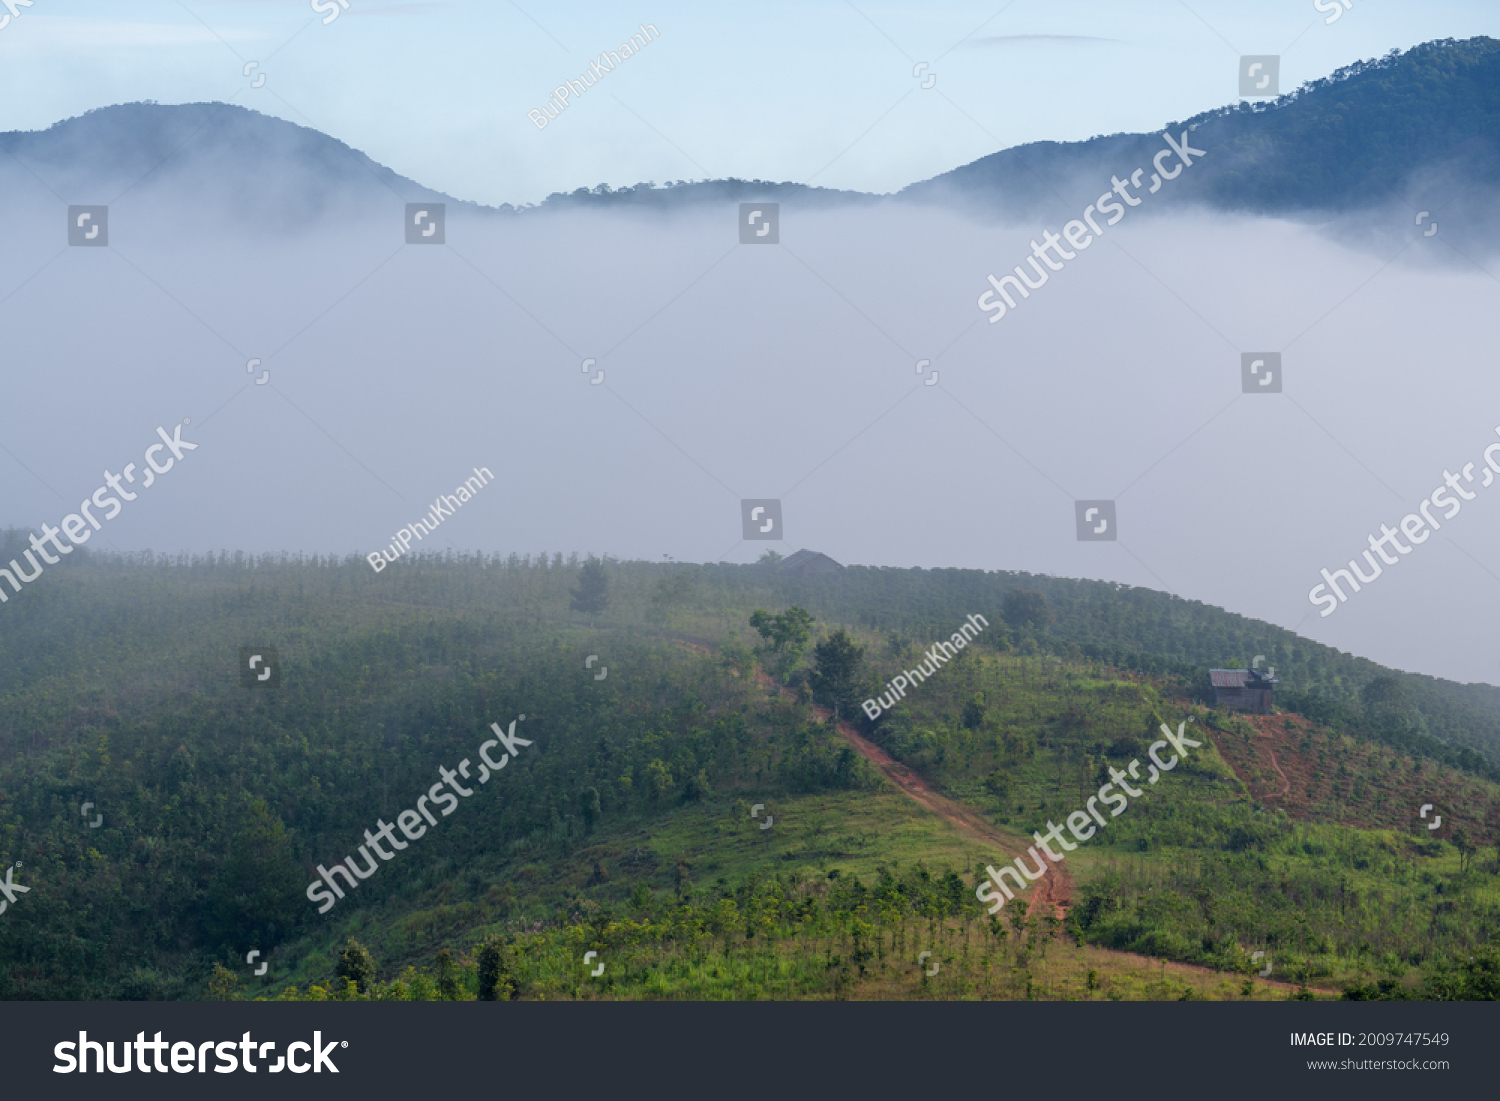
x: 790, y: 371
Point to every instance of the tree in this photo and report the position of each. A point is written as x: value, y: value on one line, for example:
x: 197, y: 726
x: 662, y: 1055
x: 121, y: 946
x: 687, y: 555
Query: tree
x: 1025, y: 608
x: 836, y: 679
x: 256, y: 887
x: 698, y: 787
x: 658, y: 779
x: 356, y: 965
x: 592, y: 593
x: 785, y: 636
x: 497, y: 971
x: 1465, y: 847
x: 675, y: 587
x: 224, y: 986
x: 997, y: 784
x: 448, y: 976
x: 1383, y: 692
x: 588, y: 808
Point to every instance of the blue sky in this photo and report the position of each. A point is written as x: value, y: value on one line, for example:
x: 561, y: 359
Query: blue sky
x: 818, y: 92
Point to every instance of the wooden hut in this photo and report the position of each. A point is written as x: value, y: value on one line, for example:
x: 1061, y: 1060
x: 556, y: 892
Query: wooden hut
x: 1243, y: 689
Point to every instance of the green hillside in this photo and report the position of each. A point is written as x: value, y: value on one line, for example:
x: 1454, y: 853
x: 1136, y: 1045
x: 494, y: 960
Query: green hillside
x: 1348, y: 141
x: 625, y: 826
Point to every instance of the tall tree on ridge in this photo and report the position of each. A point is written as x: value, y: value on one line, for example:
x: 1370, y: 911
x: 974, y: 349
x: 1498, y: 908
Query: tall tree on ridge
x: 592, y: 593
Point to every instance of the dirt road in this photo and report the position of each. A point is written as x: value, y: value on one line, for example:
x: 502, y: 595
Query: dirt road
x: 1051, y: 894
x: 1286, y: 785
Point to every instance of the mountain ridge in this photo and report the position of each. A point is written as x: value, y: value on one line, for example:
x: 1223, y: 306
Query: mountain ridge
x: 1312, y: 151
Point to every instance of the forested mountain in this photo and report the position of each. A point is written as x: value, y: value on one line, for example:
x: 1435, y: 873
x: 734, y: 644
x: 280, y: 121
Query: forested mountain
x: 1357, y: 138
x: 1351, y: 140
x: 120, y: 688
x: 1156, y: 632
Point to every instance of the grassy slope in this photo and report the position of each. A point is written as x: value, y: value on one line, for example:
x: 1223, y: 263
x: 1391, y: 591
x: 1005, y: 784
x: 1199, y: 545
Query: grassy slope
x: 1330, y: 904
x: 813, y: 835
x: 1196, y: 873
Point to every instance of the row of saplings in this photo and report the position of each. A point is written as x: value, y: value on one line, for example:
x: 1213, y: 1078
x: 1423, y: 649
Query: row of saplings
x: 490, y: 976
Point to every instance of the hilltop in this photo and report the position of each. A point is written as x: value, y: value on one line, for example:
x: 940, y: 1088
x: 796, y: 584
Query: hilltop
x: 630, y: 825
x: 1417, y: 124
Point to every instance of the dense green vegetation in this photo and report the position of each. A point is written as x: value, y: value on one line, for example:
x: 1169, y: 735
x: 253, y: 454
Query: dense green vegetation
x: 626, y: 825
x: 1343, y: 142
x: 1385, y: 119
x: 1354, y: 139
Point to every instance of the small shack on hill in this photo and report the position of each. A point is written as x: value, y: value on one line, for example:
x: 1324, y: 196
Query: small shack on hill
x: 808, y: 563
x: 1243, y: 689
